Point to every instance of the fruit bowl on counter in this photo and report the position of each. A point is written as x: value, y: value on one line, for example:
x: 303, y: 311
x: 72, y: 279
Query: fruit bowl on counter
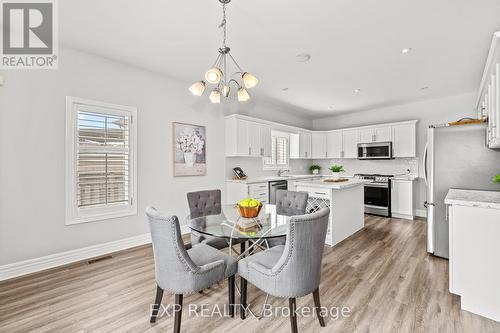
x: 249, y: 208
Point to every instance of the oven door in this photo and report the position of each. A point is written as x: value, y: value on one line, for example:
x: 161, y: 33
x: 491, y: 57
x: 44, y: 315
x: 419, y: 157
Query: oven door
x: 375, y: 151
x: 378, y: 199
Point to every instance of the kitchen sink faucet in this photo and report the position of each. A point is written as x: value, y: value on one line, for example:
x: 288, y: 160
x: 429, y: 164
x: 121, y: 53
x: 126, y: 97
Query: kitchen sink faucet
x: 282, y: 171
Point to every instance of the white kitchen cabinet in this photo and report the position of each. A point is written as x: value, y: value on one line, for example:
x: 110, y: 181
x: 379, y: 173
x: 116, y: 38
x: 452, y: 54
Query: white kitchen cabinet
x: 335, y: 144
x: 402, y: 199
x: 265, y: 140
x: 382, y: 134
x: 474, y: 230
x: 247, y: 138
x: 236, y: 191
x: 300, y: 145
x: 404, y: 140
x: 350, y: 141
x: 305, y: 141
x: 366, y: 135
x: 375, y: 134
x: 488, y: 101
x: 318, y: 145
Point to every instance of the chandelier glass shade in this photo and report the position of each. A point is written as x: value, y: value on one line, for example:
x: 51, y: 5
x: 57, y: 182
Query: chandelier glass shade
x: 218, y: 73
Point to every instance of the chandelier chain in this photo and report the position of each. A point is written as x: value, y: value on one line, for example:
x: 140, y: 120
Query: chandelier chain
x: 223, y: 25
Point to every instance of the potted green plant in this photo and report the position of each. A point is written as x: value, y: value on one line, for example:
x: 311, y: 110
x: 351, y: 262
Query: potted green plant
x: 336, y: 169
x: 315, y: 169
x: 496, y: 179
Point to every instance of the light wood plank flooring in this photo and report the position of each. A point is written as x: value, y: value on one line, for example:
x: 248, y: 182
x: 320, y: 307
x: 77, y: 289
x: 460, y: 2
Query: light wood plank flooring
x: 382, y: 274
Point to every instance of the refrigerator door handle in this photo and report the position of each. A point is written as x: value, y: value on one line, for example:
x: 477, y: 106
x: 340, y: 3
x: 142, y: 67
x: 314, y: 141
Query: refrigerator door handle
x: 424, y: 163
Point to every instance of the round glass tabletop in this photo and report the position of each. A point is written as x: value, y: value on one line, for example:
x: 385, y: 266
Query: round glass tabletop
x: 229, y: 224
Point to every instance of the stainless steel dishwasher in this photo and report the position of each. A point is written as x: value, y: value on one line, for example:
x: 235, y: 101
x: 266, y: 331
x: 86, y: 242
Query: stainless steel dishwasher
x: 273, y: 187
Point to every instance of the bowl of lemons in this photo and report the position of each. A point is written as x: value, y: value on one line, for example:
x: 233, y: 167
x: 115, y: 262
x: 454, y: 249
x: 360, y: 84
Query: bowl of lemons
x: 249, y: 208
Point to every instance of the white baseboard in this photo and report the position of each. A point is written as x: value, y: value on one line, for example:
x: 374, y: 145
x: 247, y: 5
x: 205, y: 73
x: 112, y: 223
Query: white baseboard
x: 421, y: 212
x: 58, y: 259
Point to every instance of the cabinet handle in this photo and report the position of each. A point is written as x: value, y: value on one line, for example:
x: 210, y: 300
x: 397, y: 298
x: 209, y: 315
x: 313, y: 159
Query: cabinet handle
x: 306, y: 154
x: 342, y: 154
x: 261, y: 151
x: 249, y: 150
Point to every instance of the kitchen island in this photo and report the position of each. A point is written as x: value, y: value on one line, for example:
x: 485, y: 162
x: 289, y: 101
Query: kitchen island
x: 346, y: 203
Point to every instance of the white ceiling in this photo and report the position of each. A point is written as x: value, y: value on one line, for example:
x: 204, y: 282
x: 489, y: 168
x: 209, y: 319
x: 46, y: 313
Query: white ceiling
x: 353, y: 44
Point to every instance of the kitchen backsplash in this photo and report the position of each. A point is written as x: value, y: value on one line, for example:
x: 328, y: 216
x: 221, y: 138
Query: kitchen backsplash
x: 252, y: 166
x: 396, y: 166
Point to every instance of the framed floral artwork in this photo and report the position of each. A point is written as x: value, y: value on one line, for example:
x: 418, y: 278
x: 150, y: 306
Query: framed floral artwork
x: 190, y: 144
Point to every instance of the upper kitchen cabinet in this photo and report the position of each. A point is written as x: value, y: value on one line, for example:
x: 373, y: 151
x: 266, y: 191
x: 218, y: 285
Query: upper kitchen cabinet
x: 488, y: 101
x: 404, y: 139
x: 300, y: 145
x: 335, y: 144
x: 375, y: 134
x: 351, y: 138
x: 318, y: 143
x: 247, y: 138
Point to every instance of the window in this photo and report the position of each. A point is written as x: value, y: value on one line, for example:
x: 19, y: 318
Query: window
x: 279, y: 152
x: 100, y: 161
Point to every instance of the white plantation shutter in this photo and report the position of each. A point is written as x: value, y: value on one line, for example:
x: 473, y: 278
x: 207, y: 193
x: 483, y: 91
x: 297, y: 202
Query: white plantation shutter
x: 102, y: 161
x: 279, y: 153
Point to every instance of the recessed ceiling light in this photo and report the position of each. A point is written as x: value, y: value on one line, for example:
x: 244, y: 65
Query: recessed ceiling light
x: 357, y: 90
x: 303, y: 57
x: 405, y: 51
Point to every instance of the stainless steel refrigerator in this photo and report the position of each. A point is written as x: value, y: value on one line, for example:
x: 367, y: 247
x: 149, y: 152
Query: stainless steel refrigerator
x: 455, y: 157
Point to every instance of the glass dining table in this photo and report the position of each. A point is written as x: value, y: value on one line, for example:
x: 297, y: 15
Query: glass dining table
x: 229, y: 225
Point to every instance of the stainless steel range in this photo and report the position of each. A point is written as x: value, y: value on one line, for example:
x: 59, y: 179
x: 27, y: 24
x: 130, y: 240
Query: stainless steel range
x: 377, y: 193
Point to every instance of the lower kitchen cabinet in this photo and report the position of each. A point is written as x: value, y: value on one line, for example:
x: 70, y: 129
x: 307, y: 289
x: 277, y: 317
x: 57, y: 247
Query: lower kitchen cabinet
x: 474, y: 273
x: 236, y: 191
x: 402, y: 199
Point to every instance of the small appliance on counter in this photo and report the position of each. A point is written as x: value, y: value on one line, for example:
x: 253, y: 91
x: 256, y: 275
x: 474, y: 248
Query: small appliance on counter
x: 377, y: 193
x: 239, y: 174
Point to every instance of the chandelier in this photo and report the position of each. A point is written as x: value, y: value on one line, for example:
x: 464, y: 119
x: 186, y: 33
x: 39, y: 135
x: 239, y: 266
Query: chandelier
x: 218, y: 75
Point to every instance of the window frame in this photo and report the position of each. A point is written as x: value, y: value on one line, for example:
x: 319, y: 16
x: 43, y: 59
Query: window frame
x: 275, y: 166
x: 75, y: 215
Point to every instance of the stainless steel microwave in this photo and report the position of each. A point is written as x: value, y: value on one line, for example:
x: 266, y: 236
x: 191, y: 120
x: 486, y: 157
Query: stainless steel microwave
x: 375, y: 151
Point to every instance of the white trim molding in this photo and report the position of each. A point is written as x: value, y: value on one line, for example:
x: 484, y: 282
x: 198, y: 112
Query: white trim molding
x: 59, y: 259
x: 420, y: 212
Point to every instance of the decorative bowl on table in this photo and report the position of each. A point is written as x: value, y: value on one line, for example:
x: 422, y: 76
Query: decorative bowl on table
x: 249, y: 208
x: 249, y: 212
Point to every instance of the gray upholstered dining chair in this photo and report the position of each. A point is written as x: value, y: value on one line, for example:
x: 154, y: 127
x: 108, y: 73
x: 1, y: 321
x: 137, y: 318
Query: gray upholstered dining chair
x: 203, y: 203
x: 180, y: 271
x: 289, y: 203
x: 291, y: 270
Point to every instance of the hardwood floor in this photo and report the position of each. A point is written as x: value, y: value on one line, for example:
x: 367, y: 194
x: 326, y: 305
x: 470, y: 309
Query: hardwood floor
x: 382, y: 274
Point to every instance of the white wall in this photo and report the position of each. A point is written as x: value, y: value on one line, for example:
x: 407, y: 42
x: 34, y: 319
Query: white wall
x: 435, y: 111
x: 32, y: 141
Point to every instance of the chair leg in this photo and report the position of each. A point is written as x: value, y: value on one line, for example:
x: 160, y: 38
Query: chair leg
x: 243, y: 299
x: 293, y: 317
x: 178, y: 313
x: 230, y: 285
x: 317, y: 305
x: 156, y: 306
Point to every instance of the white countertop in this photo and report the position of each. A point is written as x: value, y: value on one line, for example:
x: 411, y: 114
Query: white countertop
x: 334, y: 186
x: 473, y: 198
x: 253, y: 180
x: 409, y: 177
